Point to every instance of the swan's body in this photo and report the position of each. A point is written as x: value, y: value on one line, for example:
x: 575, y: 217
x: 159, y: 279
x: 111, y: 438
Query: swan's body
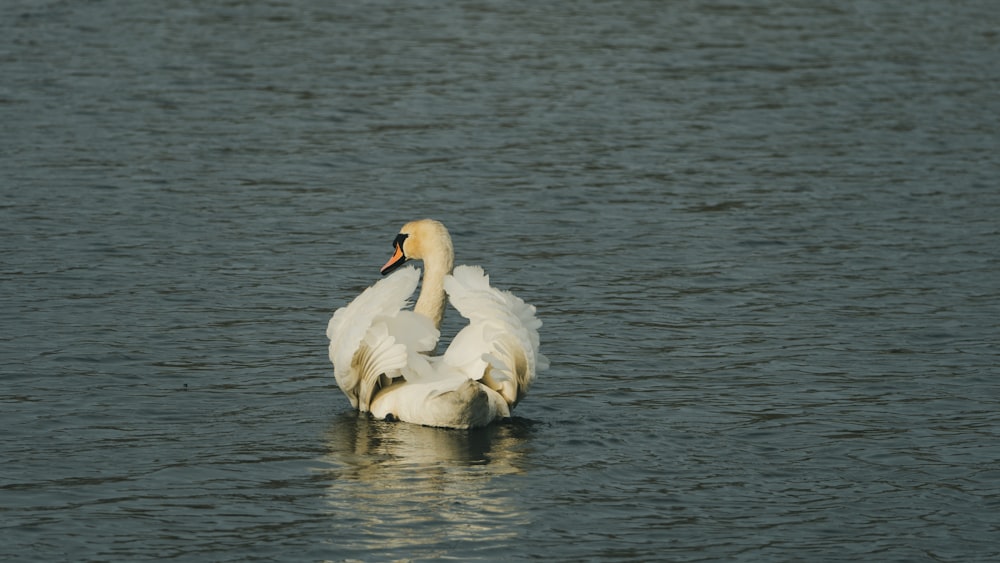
x: 380, y: 351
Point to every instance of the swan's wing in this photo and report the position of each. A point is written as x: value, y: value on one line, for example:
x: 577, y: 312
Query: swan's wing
x: 373, y: 336
x: 500, y: 345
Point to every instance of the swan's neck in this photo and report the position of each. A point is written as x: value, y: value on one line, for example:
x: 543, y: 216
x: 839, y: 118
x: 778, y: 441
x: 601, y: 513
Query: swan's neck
x: 437, y: 265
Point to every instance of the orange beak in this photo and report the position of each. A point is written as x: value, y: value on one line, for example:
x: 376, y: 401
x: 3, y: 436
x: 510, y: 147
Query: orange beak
x: 396, y: 261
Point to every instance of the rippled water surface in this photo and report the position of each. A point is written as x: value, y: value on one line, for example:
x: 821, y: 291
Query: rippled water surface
x: 763, y: 238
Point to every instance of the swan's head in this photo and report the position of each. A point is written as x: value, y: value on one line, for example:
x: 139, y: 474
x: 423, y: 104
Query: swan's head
x: 425, y: 240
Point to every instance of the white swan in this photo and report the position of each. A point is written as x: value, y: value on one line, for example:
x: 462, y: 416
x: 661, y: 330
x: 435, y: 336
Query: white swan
x: 381, y: 352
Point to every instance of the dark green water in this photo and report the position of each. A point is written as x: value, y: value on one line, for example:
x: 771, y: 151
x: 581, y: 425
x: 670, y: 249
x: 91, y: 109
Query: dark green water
x: 763, y: 238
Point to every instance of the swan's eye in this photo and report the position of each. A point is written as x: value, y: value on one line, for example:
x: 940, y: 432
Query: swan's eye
x: 398, y: 241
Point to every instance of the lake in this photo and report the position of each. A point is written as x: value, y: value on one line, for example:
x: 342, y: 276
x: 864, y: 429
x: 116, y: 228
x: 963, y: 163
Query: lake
x: 763, y: 238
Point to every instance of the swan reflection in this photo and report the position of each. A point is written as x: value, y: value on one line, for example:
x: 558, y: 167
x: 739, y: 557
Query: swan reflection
x: 413, y: 491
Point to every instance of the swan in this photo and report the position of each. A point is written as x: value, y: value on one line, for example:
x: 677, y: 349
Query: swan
x: 382, y: 353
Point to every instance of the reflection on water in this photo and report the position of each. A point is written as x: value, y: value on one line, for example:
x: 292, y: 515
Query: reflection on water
x: 363, y: 440
x: 415, y: 491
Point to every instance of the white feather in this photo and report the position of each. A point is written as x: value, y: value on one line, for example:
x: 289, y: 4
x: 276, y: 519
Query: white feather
x: 369, y: 337
x: 502, y: 333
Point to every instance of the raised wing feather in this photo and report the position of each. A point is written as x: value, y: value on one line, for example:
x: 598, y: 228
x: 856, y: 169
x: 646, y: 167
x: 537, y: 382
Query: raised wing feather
x: 500, y: 345
x: 373, y: 337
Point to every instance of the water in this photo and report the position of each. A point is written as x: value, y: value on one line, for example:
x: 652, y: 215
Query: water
x: 762, y: 236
